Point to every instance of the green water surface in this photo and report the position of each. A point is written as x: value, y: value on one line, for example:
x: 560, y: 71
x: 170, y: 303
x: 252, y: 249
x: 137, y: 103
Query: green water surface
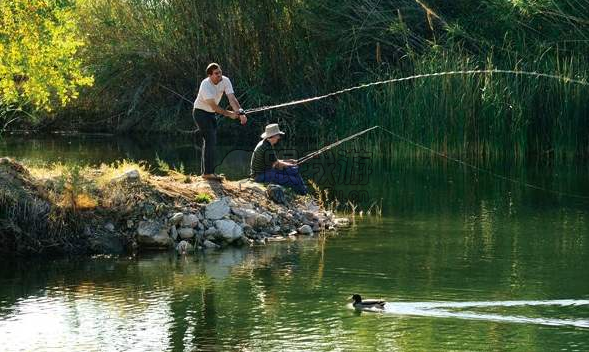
x: 447, y: 235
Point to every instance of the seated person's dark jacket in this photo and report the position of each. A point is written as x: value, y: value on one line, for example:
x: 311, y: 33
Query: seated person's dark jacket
x: 263, y: 158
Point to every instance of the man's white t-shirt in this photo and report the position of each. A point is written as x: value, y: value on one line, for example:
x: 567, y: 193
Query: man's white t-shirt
x: 208, y: 90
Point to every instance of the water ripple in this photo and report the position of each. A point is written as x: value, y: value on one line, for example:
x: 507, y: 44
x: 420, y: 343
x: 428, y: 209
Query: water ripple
x: 442, y: 310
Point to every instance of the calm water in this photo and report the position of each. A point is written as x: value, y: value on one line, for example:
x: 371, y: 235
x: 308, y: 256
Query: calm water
x: 466, y: 262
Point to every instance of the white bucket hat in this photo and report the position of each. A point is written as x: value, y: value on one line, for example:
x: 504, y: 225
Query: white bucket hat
x: 271, y: 130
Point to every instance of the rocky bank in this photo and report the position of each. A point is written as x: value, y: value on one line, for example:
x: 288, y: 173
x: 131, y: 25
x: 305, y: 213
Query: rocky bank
x: 136, y: 210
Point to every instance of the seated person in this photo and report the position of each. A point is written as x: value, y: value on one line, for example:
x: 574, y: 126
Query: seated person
x: 266, y: 167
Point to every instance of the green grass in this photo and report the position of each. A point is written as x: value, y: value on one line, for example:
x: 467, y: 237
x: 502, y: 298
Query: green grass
x: 203, y: 198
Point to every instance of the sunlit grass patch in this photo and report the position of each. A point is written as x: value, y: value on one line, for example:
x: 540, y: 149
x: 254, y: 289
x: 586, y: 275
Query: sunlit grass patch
x: 81, y: 187
x: 108, y: 172
x: 46, y: 171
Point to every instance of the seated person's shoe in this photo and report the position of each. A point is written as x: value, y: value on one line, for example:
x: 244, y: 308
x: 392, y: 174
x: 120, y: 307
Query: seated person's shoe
x: 276, y: 193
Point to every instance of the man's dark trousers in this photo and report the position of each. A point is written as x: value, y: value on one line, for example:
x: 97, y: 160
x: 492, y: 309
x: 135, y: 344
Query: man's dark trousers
x: 207, y: 124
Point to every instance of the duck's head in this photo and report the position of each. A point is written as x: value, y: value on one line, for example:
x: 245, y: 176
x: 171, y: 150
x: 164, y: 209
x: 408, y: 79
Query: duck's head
x: 356, y: 298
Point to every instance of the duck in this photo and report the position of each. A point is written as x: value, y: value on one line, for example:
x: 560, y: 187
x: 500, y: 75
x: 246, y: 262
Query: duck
x: 367, y: 304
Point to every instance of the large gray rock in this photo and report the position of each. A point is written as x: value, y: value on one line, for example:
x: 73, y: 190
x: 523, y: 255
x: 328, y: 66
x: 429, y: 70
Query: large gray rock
x: 247, y: 229
x: 105, y: 241
x: 131, y: 176
x: 230, y: 202
x: 176, y: 218
x: 190, y: 220
x: 305, y: 230
x: 312, y: 206
x: 217, y: 209
x: 253, y: 218
x: 211, y: 232
x: 184, y: 247
x: 148, y: 209
x: 173, y: 233
x: 243, y: 212
x: 341, y: 222
x: 109, y: 226
x: 153, y: 234
x: 148, y: 228
x: 186, y: 233
x: 209, y: 244
x: 262, y: 220
x: 228, y: 230
x: 273, y: 230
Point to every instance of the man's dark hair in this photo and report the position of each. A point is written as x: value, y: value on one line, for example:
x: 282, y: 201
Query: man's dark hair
x: 212, y: 67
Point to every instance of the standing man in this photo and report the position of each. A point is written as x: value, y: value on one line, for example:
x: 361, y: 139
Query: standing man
x: 205, y: 106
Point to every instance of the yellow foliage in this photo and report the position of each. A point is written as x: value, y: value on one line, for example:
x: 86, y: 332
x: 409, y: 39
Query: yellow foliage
x: 81, y: 201
x: 38, y: 45
x: 85, y: 201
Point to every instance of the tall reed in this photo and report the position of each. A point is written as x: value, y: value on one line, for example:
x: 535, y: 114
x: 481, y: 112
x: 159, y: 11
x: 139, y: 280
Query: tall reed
x: 280, y: 50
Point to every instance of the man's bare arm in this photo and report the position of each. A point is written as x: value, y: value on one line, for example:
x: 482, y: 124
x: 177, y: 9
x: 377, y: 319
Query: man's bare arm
x: 236, y: 107
x: 219, y: 110
x: 233, y: 102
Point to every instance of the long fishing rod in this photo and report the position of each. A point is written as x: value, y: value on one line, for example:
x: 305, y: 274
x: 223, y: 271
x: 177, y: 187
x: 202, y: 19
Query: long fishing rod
x: 425, y: 75
x: 439, y: 154
x: 394, y: 80
x: 333, y: 145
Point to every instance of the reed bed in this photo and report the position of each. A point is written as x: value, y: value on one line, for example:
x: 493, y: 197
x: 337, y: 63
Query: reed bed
x: 277, y: 51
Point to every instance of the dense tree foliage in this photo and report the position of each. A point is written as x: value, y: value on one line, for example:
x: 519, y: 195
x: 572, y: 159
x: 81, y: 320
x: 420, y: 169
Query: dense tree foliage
x: 39, y: 69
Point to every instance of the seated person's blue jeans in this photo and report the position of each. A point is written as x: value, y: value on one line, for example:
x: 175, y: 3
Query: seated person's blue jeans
x: 288, y: 177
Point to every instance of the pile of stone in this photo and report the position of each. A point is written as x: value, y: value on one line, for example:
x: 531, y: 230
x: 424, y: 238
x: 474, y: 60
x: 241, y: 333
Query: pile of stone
x: 232, y: 221
x: 135, y: 210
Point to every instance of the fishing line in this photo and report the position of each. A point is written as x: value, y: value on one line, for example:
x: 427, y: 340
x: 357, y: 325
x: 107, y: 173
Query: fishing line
x: 191, y: 104
x: 176, y: 93
x: 474, y: 167
x: 409, y: 78
x: 439, y: 154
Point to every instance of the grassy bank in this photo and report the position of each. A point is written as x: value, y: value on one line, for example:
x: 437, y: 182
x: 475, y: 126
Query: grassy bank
x: 51, y: 209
